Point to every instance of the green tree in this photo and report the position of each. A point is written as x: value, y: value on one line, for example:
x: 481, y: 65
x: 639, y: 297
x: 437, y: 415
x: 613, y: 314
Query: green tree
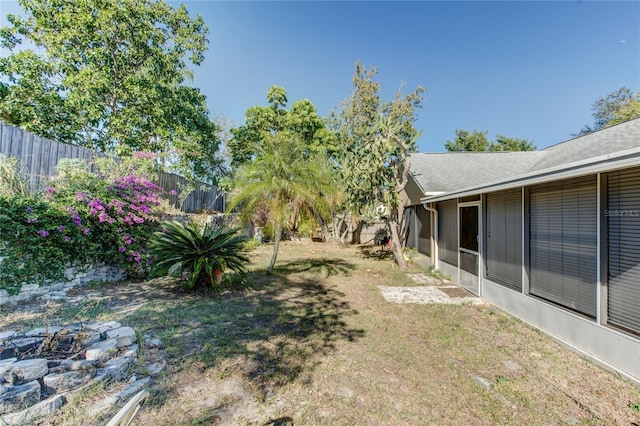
x: 375, y: 141
x: 468, y: 141
x: 505, y: 143
x: 614, y: 108
x: 301, y: 120
x: 109, y: 75
x: 477, y: 141
x: 284, y: 176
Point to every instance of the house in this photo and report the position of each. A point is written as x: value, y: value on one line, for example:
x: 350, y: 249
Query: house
x: 552, y: 236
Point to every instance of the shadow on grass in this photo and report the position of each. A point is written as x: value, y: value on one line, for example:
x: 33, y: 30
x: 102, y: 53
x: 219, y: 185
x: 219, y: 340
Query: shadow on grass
x: 375, y: 252
x: 272, y: 334
x: 324, y: 267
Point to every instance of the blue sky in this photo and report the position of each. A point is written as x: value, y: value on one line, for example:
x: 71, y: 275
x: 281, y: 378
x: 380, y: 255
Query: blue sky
x: 522, y: 69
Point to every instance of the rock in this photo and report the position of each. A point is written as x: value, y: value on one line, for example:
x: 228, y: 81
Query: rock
x: 62, y: 382
x: 116, y: 368
x: 132, y: 388
x: 25, y: 371
x: 157, y: 367
x: 6, y: 335
x: 18, y: 398
x: 41, y: 409
x: 4, y: 297
x: 101, y: 350
x: 58, y: 366
x: 153, y: 343
x: 103, y: 327
x: 512, y: 366
x: 17, y: 347
x: 89, y: 337
x: 42, y: 331
x: 483, y: 382
x: 29, y: 288
x: 5, y: 364
x: 125, y: 336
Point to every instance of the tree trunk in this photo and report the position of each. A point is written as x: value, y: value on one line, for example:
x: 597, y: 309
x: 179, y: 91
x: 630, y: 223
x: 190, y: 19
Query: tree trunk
x: 357, y: 232
x: 323, y: 226
x: 276, y: 245
x: 396, y: 243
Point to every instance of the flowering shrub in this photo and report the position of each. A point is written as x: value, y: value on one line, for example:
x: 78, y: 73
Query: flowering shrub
x: 79, y: 218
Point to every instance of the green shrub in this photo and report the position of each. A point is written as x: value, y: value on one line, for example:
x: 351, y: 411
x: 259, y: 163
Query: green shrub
x: 200, y: 254
x: 80, y: 218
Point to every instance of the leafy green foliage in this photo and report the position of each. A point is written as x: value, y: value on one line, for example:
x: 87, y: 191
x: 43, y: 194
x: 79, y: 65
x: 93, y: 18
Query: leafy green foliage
x: 614, y: 108
x: 81, y: 218
x: 199, y: 253
x: 369, y: 162
x: 261, y: 122
x: 110, y: 75
x: 477, y: 141
x: 284, y: 177
x: 376, y: 139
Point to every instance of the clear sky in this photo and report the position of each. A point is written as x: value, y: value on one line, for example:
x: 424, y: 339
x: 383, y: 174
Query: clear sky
x: 522, y: 69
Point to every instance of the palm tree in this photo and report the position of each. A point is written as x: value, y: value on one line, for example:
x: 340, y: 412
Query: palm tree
x: 285, y: 175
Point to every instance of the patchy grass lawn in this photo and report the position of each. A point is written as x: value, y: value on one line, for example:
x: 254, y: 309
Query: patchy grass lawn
x: 316, y: 344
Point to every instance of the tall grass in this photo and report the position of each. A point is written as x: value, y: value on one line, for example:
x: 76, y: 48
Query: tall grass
x: 12, y: 177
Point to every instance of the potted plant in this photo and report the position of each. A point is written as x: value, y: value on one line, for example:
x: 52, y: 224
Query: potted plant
x: 199, y: 254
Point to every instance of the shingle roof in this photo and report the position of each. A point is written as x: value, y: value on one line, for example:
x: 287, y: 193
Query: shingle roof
x: 457, y: 171
x: 450, y: 171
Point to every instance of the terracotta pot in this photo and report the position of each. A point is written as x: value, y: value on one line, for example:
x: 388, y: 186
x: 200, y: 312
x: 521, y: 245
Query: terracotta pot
x: 217, y: 275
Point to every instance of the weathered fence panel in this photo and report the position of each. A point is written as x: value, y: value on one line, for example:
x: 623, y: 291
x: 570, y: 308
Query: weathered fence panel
x: 39, y: 157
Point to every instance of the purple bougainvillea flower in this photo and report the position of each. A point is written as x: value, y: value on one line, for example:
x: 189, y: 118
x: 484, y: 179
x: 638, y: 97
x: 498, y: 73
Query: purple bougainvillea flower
x: 85, y: 231
x: 173, y: 192
x: 60, y: 228
x: 67, y: 238
x: 122, y: 249
x: 43, y: 233
x: 81, y: 196
x: 103, y: 217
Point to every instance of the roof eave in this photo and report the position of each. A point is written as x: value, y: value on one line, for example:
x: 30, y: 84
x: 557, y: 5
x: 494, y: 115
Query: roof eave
x: 618, y: 160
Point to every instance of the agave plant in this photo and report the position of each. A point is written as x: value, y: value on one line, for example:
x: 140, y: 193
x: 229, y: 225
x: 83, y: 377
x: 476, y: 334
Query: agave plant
x: 202, y: 254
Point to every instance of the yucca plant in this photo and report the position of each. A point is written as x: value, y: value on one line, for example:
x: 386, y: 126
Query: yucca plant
x: 200, y: 254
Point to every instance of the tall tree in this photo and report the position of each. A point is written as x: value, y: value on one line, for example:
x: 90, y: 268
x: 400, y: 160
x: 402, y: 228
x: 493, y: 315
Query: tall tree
x: 477, y: 141
x: 301, y: 120
x: 376, y: 139
x: 468, y: 141
x: 283, y: 176
x: 505, y: 143
x: 614, y: 108
x: 109, y: 75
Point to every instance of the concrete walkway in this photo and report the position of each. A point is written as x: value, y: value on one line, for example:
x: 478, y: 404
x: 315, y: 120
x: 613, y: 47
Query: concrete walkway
x: 431, y: 290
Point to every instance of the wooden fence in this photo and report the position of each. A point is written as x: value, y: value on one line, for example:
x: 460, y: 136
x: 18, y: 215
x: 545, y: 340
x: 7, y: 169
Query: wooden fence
x: 39, y: 156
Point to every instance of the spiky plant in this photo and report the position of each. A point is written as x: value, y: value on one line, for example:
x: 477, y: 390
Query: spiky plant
x: 199, y: 253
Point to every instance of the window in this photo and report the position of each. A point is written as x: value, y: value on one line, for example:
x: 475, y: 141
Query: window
x: 562, y: 244
x: 424, y: 233
x: 448, y: 231
x: 504, y: 238
x: 623, y: 241
x: 410, y: 226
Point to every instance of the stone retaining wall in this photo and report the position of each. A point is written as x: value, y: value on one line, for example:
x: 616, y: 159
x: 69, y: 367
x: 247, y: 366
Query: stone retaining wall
x: 32, y: 384
x: 74, y: 276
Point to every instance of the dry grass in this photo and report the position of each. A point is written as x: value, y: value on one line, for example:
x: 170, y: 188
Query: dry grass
x: 316, y: 344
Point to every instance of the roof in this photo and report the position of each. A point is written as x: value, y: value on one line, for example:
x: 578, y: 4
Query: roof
x: 445, y: 175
